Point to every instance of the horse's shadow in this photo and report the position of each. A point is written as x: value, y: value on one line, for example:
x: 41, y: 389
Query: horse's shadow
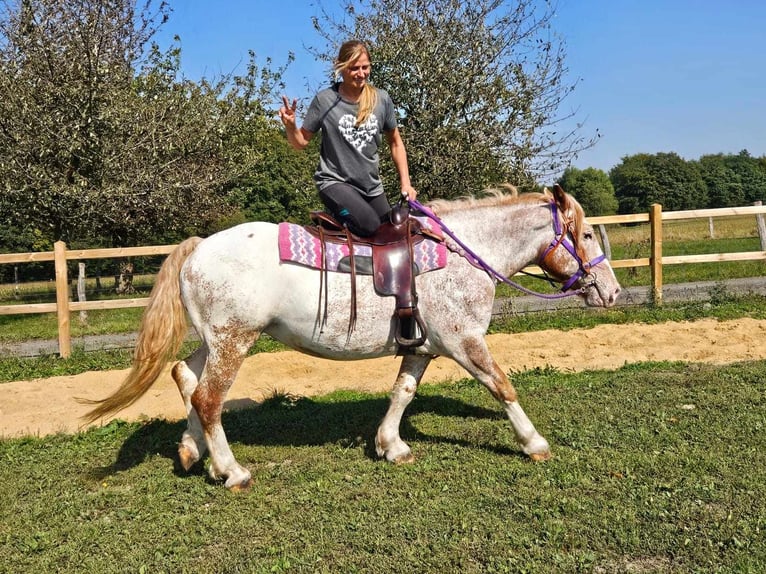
x: 288, y: 421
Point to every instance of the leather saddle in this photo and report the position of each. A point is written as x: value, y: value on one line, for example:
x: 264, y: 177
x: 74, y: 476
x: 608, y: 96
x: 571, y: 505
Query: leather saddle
x: 391, y: 266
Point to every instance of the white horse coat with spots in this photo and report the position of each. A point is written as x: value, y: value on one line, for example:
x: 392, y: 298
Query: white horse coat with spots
x: 234, y: 288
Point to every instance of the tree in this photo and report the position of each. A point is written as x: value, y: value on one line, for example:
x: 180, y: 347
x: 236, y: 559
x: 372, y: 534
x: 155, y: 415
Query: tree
x: 102, y: 139
x: 283, y: 186
x: 723, y: 184
x: 751, y: 175
x: 479, y: 85
x: 665, y: 178
x: 592, y: 188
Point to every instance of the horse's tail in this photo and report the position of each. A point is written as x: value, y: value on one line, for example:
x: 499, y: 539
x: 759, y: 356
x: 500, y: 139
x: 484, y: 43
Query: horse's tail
x: 162, y: 332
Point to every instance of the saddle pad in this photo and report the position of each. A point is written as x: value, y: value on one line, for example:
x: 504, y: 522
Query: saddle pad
x: 297, y: 245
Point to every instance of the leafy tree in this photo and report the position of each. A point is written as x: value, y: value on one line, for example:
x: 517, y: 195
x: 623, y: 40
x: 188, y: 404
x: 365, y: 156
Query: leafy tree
x: 665, y: 178
x: 592, y: 188
x: 283, y: 186
x: 751, y: 175
x: 724, y: 186
x: 101, y: 138
x: 479, y: 85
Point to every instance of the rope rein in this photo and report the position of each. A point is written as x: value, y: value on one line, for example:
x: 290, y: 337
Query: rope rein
x: 477, y: 261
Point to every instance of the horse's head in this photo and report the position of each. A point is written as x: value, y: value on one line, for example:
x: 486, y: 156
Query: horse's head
x: 575, y: 257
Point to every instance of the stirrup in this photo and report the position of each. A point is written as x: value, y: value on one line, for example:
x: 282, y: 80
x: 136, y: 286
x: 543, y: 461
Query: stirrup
x: 409, y: 320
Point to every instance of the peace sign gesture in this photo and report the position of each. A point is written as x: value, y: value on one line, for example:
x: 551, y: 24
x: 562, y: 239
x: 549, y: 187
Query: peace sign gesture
x: 287, y: 112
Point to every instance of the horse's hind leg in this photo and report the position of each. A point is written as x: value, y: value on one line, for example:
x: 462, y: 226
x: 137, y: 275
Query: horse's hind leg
x: 187, y: 374
x: 388, y: 443
x: 226, y: 352
x: 474, y: 356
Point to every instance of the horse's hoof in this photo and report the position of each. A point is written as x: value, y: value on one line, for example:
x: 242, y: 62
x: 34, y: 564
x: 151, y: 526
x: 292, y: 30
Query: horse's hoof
x: 238, y: 480
x: 187, y: 457
x: 407, y: 458
x: 540, y: 456
x: 243, y: 486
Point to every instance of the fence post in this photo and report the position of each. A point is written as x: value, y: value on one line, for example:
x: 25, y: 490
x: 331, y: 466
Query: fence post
x: 655, y: 257
x: 81, y: 296
x: 62, y: 299
x: 761, y: 227
x: 605, y: 241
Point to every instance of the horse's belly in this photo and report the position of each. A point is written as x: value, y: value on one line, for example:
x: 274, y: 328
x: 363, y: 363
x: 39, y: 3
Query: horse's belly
x: 334, y: 351
x: 335, y: 337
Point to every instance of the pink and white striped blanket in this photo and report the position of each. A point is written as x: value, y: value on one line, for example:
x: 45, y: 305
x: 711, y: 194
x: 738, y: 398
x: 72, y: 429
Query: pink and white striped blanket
x: 297, y: 245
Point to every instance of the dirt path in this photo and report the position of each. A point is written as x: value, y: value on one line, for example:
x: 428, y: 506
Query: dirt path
x: 46, y: 406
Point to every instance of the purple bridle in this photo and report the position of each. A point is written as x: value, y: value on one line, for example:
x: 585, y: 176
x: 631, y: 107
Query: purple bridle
x: 562, y: 237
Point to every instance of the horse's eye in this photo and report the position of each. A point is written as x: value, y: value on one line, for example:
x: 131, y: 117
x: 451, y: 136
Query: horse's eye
x: 588, y: 235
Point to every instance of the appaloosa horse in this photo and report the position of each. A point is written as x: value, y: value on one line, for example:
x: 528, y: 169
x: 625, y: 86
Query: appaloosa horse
x: 234, y: 287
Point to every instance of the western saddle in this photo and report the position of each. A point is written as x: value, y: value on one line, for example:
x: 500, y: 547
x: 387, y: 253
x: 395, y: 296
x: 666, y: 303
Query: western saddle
x: 391, y: 266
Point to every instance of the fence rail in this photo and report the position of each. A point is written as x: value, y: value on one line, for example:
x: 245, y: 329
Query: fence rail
x: 60, y: 255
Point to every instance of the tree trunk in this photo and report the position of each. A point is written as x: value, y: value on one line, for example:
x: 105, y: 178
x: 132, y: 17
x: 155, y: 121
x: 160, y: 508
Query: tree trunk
x: 124, y: 283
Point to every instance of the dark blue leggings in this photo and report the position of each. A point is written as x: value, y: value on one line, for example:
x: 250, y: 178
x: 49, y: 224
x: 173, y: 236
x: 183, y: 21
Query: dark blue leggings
x: 361, y: 214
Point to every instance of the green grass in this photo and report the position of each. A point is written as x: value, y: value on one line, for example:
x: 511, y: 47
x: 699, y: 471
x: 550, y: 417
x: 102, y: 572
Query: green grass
x: 45, y: 291
x: 657, y: 468
x: 722, y: 306
x: 16, y: 328
x: 719, y: 271
x: 689, y: 237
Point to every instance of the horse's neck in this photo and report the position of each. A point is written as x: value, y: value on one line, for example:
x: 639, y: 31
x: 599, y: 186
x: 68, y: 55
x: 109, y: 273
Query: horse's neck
x: 508, y: 237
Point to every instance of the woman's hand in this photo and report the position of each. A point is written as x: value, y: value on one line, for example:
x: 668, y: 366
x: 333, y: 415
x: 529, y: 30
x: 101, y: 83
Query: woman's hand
x: 287, y: 112
x: 408, y: 192
x: 297, y: 138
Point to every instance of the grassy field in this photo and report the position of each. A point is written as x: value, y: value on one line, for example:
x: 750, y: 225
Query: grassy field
x: 111, y: 500
x: 657, y: 468
x: 690, y: 237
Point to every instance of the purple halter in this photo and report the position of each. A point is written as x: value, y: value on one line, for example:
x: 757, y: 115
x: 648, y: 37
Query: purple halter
x: 562, y: 237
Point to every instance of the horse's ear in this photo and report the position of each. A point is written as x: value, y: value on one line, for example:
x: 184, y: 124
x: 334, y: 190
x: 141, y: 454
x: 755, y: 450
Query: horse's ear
x: 559, y: 194
x: 563, y: 200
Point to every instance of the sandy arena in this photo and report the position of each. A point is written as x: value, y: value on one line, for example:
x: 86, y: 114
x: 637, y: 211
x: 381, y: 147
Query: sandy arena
x: 46, y: 406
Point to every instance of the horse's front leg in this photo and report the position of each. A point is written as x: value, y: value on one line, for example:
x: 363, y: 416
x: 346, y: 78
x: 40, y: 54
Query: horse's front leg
x: 388, y: 443
x: 474, y: 357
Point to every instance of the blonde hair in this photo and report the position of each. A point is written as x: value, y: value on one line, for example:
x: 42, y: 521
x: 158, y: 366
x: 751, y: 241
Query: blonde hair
x: 349, y: 53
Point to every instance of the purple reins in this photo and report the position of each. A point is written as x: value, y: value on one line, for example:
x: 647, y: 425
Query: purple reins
x: 561, y: 238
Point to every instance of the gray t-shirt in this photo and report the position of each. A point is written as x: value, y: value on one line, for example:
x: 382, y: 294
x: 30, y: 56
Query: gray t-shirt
x: 349, y: 154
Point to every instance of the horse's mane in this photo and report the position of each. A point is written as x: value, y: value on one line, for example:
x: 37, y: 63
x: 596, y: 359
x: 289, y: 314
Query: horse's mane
x: 492, y: 197
x: 509, y: 195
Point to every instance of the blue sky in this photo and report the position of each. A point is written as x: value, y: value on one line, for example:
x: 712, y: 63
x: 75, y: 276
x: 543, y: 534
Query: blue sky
x: 680, y: 76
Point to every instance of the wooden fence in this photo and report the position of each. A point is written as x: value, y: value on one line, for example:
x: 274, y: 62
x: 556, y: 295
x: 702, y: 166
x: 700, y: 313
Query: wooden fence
x: 63, y: 307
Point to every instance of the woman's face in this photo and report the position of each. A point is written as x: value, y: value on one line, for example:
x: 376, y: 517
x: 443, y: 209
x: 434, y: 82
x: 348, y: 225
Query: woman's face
x: 356, y: 74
